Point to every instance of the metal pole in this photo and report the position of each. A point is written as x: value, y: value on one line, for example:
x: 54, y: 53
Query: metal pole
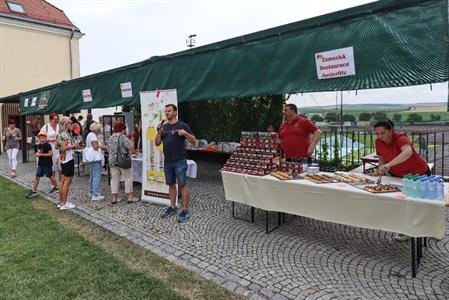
x: 23, y: 128
x: 341, y: 111
x: 413, y: 250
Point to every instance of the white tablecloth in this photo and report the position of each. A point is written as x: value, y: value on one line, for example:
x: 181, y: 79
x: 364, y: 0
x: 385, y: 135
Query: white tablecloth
x: 137, y: 169
x: 339, y: 203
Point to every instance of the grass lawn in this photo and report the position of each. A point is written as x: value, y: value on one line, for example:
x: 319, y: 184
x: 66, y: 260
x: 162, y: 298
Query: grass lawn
x: 48, y: 254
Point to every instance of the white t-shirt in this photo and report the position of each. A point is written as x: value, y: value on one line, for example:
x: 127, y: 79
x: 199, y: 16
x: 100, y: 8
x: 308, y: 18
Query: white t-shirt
x: 91, y: 137
x: 51, y: 134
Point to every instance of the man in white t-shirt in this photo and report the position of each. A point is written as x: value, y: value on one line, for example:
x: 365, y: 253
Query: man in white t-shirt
x: 52, y: 130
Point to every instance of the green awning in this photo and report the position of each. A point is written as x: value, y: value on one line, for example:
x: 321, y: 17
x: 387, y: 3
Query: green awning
x: 395, y: 43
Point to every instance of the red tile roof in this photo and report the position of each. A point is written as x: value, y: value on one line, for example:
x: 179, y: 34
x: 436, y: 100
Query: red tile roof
x: 38, y: 10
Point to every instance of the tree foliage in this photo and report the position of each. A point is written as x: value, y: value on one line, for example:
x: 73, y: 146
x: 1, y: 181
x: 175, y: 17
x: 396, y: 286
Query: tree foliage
x: 348, y: 118
x: 225, y: 119
x: 331, y: 117
x: 365, y: 116
x: 380, y: 115
x: 414, y: 117
x: 317, y: 118
x: 397, y: 117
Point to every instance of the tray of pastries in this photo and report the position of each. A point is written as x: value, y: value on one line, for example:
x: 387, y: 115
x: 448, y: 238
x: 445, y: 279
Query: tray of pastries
x: 373, y: 172
x: 281, y: 175
x: 352, y: 178
x: 320, y: 178
x: 381, y: 188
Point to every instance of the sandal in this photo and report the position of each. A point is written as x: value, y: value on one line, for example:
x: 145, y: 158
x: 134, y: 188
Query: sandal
x: 133, y: 201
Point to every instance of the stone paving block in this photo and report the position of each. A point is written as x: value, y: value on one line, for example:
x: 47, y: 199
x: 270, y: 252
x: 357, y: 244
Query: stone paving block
x: 302, y: 258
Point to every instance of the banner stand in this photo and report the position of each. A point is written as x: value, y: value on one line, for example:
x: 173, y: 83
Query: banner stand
x: 154, y: 189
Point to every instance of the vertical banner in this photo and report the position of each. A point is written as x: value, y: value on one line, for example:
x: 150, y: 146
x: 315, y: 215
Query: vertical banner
x: 154, y: 189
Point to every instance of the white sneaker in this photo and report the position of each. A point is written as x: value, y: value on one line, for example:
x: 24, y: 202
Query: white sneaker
x: 65, y: 207
x: 59, y: 205
x: 97, y: 198
x: 399, y: 237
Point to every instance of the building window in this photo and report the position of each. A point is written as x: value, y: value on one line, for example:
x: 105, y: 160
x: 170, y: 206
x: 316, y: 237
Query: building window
x: 16, y: 7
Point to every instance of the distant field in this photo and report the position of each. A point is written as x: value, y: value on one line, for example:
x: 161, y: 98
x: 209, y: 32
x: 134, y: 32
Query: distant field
x: 425, y: 111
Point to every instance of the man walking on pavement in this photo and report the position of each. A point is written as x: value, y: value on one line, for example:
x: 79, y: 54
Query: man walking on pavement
x: 173, y: 134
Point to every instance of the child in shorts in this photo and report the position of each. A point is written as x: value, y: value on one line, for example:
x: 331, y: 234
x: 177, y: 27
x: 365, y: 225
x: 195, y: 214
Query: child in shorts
x: 44, y: 167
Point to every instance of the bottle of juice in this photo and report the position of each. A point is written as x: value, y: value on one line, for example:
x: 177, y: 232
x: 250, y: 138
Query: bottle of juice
x: 151, y: 138
x: 160, y: 148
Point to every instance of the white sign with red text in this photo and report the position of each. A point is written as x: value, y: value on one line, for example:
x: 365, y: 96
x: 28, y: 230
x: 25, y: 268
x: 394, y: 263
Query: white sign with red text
x: 335, y: 63
x: 87, y: 95
x: 127, y: 90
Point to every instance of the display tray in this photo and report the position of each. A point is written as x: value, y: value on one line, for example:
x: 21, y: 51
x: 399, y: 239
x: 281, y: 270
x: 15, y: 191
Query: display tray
x: 352, y: 179
x: 373, y: 172
x: 283, y: 176
x: 380, y: 188
x: 320, y: 178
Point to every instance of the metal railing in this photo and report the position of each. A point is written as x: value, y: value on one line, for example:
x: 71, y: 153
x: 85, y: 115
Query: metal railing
x: 350, y: 145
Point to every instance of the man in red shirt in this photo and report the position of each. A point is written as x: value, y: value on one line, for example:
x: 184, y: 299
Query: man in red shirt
x: 295, y: 134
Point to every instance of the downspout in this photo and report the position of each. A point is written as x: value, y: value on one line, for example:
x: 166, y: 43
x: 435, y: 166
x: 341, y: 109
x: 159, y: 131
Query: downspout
x: 71, y: 54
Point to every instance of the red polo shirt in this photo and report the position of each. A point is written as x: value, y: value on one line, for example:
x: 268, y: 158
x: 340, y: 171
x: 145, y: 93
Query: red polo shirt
x: 295, y: 137
x: 414, y: 165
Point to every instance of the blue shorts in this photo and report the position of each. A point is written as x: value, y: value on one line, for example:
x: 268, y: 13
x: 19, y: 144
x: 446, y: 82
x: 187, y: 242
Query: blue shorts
x: 41, y: 171
x: 176, y: 170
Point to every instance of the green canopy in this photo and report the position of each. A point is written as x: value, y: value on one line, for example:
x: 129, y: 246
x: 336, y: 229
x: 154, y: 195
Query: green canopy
x: 395, y: 43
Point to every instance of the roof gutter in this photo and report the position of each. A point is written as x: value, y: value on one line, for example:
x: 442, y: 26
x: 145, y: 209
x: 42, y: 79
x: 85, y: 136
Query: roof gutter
x: 60, y: 26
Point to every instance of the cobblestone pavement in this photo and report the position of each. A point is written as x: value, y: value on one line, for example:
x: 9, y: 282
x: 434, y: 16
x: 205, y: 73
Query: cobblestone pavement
x: 303, y: 259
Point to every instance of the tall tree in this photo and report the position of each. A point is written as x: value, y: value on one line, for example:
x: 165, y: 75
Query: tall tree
x: 365, y: 116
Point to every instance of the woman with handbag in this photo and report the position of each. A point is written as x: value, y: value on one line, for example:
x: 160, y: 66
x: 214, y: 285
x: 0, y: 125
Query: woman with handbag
x: 92, y: 155
x: 119, y: 147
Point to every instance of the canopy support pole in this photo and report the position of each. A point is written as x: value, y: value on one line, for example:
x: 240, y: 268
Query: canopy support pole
x: 23, y: 128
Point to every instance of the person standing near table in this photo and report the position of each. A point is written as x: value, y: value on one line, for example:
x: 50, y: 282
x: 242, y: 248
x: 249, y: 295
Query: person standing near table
x: 51, y: 130
x: 119, y: 142
x: 295, y: 132
x: 35, y: 129
x: 173, y: 134
x: 397, y: 155
x: 12, y: 136
x: 89, y: 121
x: 95, y: 166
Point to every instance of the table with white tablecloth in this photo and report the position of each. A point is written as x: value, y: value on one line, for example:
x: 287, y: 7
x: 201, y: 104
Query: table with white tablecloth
x: 192, y: 169
x: 340, y: 203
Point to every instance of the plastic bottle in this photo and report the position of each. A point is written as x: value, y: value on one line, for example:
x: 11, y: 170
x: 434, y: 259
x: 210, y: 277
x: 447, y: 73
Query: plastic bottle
x: 416, y: 191
x: 423, y: 187
x: 440, y: 189
x: 151, y: 138
x: 160, y: 149
x: 404, y: 185
x: 410, y: 186
x: 432, y: 189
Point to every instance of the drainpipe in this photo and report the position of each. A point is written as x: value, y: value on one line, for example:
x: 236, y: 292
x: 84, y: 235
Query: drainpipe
x: 23, y: 127
x: 71, y: 54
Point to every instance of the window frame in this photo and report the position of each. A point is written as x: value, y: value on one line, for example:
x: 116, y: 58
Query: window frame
x: 13, y: 7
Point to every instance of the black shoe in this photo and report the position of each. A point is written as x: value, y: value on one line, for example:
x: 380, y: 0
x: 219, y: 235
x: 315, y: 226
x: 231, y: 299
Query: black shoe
x: 31, y: 194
